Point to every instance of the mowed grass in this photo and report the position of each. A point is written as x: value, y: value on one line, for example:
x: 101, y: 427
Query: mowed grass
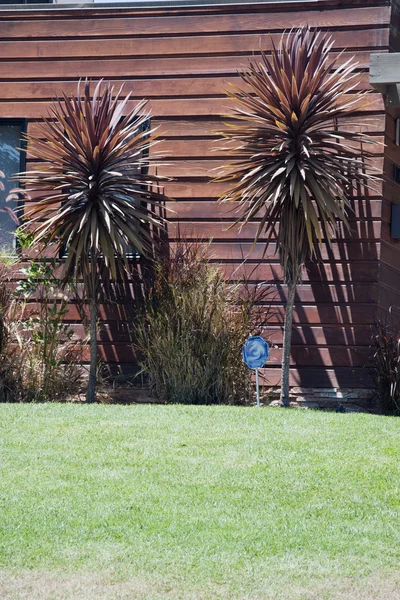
x: 176, y: 502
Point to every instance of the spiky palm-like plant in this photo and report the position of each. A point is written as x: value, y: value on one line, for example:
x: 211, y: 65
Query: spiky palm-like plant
x: 96, y: 201
x: 299, y: 162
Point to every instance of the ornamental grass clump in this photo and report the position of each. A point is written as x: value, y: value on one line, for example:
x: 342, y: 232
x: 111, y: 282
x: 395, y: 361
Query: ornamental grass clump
x: 299, y: 156
x: 190, y: 335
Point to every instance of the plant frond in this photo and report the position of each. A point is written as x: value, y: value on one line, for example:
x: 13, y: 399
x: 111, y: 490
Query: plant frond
x: 297, y: 165
x: 95, y: 199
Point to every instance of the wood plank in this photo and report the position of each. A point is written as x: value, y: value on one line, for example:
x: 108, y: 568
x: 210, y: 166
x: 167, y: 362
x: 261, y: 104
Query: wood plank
x: 390, y: 129
x: 341, y: 377
x: 189, y: 148
x: 314, y: 377
x: 386, y: 236
x: 211, y: 149
x: 118, y: 332
x: 215, y: 148
x: 361, y: 230
x: 164, y: 46
x: 198, y: 190
x: 140, y: 88
x: 320, y: 336
x: 160, y: 67
x: 328, y: 314
x: 207, y: 210
x: 182, y: 24
x: 391, y: 191
x: 210, y: 126
x: 351, y: 356
x: 193, y: 107
x: 390, y: 255
x: 315, y: 272
x: 319, y: 293
x: 392, y: 152
x: 346, y: 252
x: 200, y: 167
x: 234, y: 250
x: 388, y: 275
x: 386, y: 212
x: 209, y: 168
x: 389, y: 296
x: 389, y: 289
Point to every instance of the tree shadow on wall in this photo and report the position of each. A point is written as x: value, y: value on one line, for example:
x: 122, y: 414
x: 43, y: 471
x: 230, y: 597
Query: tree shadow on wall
x: 120, y: 302
x: 336, y: 304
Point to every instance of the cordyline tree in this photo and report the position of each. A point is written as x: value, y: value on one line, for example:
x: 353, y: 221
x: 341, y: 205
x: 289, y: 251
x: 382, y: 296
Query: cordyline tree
x: 299, y: 162
x: 96, y: 202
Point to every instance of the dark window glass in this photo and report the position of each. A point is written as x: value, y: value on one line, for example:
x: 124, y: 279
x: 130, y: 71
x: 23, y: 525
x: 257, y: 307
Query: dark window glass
x: 11, y: 161
x: 26, y: 2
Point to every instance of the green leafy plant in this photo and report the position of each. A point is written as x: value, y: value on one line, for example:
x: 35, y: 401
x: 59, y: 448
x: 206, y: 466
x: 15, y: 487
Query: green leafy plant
x: 43, y: 336
x: 298, y: 161
x: 190, y: 336
x: 38, y: 356
x: 97, y: 202
x: 10, y: 364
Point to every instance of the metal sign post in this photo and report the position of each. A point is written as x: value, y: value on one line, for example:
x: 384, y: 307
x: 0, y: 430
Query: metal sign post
x: 258, y: 389
x: 255, y: 354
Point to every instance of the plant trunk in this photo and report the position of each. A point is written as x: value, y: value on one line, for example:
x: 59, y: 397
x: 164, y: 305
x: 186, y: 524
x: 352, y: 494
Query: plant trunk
x: 287, y: 343
x: 91, y: 391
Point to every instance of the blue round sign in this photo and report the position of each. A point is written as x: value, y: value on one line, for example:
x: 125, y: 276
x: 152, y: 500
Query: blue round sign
x: 255, y: 352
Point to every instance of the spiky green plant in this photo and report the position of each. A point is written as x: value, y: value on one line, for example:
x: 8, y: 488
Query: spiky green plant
x: 96, y: 200
x: 299, y: 162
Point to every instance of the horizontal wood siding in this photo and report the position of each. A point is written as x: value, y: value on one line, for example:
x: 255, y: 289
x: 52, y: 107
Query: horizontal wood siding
x: 389, y: 266
x: 389, y: 270
x: 183, y: 60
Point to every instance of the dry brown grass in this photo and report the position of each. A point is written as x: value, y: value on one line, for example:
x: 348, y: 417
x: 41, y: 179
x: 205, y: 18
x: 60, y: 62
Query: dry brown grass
x: 100, y: 586
x: 53, y: 586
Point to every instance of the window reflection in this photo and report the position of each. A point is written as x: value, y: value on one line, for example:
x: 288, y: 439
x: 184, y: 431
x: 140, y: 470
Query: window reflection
x: 10, y: 164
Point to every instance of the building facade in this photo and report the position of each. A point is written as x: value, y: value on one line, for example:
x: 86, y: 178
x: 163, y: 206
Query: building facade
x: 182, y: 57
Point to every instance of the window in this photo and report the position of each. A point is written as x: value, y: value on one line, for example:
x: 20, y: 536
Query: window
x: 25, y: 2
x: 12, y: 160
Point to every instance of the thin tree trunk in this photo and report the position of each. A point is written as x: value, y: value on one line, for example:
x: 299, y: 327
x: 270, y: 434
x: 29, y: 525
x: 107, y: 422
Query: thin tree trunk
x: 287, y: 343
x: 91, y: 390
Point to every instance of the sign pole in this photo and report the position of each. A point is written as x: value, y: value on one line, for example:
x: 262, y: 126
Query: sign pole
x: 258, y: 389
x: 255, y: 354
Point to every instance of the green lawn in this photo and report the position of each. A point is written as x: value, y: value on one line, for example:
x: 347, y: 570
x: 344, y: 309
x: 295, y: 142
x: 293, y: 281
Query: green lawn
x: 168, y: 502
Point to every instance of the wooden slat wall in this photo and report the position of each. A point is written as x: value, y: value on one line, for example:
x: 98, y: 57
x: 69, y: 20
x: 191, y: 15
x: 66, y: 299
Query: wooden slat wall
x: 389, y: 268
x: 183, y: 60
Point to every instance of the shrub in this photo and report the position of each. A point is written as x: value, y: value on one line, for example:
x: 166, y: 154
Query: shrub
x: 190, y: 335
x: 9, y: 371
x: 385, y: 363
x: 38, y: 358
x: 45, y: 341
